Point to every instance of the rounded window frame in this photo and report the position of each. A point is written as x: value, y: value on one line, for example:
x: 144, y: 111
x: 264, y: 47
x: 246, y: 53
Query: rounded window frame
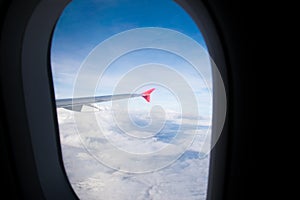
x: 33, y: 61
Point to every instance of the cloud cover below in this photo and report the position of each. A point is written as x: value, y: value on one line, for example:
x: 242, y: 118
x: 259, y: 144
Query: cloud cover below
x: 185, y: 178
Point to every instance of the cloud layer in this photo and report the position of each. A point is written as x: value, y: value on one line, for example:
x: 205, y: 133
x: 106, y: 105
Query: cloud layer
x: 186, y: 178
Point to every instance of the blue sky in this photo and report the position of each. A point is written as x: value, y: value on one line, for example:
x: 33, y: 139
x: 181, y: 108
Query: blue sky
x: 84, y: 24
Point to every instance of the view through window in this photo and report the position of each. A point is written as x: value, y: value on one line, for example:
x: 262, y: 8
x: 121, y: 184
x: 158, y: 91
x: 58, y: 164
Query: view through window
x: 133, y: 91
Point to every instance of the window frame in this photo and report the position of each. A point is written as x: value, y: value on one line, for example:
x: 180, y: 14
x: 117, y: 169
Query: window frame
x: 26, y: 57
x: 213, y: 39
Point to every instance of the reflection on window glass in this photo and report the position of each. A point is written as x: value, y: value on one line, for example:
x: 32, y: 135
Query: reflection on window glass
x: 132, y: 82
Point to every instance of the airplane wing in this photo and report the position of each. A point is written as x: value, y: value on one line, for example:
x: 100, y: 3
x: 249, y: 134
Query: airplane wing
x: 76, y: 104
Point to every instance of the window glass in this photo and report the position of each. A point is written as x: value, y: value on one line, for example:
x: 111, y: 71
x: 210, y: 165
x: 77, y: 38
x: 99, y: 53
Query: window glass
x: 105, y: 56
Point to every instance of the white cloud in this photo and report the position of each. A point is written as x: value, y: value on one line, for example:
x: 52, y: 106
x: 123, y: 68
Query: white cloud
x: 186, y: 178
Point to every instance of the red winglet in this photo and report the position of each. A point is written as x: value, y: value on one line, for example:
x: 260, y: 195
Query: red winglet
x: 146, y: 94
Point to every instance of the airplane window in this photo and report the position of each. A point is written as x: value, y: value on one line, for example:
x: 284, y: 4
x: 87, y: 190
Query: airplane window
x: 133, y: 88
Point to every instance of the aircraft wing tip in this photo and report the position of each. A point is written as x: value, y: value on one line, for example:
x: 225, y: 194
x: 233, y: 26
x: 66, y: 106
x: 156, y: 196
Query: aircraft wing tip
x: 146, y: 94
